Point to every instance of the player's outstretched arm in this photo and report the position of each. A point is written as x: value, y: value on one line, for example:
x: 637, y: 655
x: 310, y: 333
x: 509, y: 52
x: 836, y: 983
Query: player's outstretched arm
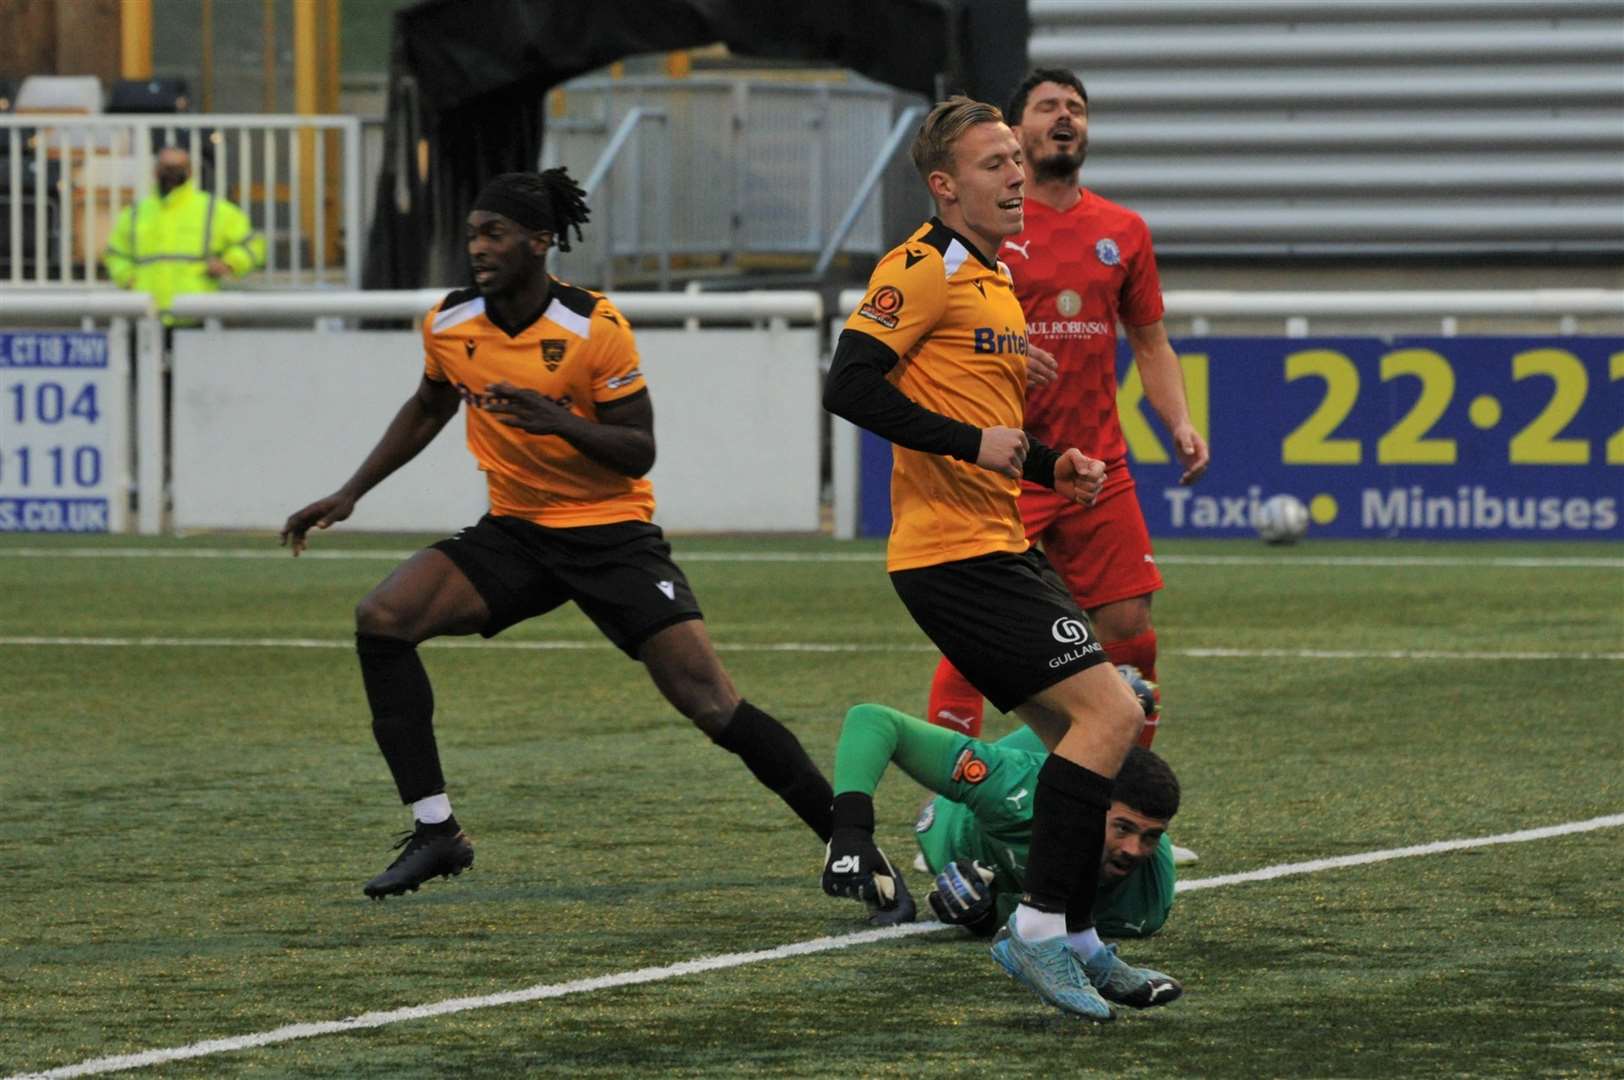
x: 875, y: 735
x: 857, y: 390
x: 415, y: 425
x: 622, y: 437
x: 1164, y: 386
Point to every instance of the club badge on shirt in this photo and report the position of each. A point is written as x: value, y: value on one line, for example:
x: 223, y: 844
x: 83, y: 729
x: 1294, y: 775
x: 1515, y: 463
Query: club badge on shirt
x: 1106, y: 251
x: 883, y: 306
x: 969, y: 768
x: 552, y: 352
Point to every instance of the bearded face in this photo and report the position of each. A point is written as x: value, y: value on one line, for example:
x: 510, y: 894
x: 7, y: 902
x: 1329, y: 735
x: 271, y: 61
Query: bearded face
x: 1054, y: 131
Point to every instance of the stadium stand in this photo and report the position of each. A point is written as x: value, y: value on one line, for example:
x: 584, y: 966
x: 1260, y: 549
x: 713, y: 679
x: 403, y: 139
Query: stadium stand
x: 169, y: 95
x: 1278, y: 127
x: 67, y: 95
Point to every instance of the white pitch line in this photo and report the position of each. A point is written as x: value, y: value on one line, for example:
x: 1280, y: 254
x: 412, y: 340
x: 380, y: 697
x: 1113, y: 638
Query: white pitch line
x: 374, y: 555
x: 290, y: 1032
x: 597, y: 645
x: 1542, y: 562
x: 464, y: 1004
x: 1269, y: 873
x: 1385, y: 654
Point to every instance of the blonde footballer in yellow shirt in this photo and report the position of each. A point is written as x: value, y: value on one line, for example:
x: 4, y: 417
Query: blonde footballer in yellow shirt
x: 935, y: 359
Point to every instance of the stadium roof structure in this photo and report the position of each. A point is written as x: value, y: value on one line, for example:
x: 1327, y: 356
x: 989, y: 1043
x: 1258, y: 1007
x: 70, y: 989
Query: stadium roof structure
x: 469, y: 77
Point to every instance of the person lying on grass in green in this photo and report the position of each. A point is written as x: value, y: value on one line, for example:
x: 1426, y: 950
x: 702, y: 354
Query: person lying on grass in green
x: 973, y: 835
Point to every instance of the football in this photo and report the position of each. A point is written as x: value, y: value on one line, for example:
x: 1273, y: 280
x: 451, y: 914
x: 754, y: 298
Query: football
x: 1283, y: 519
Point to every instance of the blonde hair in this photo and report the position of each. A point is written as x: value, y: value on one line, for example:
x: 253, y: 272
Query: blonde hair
x: 932, y: 149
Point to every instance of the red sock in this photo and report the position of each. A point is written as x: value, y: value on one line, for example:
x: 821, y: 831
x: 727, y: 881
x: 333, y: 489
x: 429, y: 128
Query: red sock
x: 954, y: 703
x: 1140, y: 651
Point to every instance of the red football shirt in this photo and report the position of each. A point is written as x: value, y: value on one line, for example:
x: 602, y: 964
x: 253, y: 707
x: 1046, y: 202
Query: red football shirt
x: 1078, y: 273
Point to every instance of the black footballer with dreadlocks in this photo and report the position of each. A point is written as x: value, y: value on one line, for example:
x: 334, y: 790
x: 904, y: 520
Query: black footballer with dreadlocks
x: 549, y: 201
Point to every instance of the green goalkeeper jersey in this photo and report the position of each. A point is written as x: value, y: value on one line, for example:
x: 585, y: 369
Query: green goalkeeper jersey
x: 983, y: 809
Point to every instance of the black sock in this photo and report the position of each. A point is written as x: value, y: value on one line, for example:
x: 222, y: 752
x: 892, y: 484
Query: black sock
x: 402, y: 713
x: 1068, y: 837
x: 777, y: 758
x: 448, y: 827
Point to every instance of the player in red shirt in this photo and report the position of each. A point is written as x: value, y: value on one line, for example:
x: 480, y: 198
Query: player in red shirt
x: 1081, y: 265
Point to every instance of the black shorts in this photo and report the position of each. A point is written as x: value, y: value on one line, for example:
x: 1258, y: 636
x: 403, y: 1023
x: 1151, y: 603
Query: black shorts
x: 1005, y: 621
x: 621, y: 575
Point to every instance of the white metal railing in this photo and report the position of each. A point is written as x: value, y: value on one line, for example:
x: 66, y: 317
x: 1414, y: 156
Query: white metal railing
x: 303, y: 306
x: 901, y: 130
x: 292, y: 307
x: 618, y: 142
x: 1201, y: 306
x: 65, y: 179
x: 60, y: 306
x: 759, y: 168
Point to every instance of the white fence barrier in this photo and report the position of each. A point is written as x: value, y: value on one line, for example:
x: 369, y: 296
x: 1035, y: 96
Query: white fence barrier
x: 1196, y: 311
x: 65, y: 179
x: 737, y: 410
x: 1442, y: 305
x: 267, y: 420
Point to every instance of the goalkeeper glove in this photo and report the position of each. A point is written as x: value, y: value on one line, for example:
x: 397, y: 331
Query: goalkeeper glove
x: 854, y: 867
x: 964, y: 896
x: 1142, y: 688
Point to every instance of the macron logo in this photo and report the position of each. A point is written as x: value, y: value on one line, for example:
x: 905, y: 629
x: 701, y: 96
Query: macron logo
x: 668, y: 588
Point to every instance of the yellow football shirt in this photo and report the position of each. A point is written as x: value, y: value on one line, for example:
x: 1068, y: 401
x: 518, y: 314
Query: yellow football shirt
x: 580, y: 352
x: 959, y: 334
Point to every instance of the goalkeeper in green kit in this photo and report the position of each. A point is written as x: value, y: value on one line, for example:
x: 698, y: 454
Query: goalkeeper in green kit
x: 974, y: 834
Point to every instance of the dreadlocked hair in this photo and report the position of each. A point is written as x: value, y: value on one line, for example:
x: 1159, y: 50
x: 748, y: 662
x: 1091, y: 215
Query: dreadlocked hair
x: 567, y: 200
x: 550, y: 200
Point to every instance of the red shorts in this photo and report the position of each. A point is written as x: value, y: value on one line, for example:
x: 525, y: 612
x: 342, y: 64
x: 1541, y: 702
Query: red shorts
x: 1102, y: 552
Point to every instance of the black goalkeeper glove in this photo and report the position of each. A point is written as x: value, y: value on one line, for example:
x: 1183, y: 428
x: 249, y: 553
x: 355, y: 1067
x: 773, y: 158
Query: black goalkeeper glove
x: 855, y: 868
x: 963, y: 896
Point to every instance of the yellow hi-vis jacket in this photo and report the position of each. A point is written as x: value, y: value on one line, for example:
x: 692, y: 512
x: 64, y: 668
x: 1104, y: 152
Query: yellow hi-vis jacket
x: 162, y: 245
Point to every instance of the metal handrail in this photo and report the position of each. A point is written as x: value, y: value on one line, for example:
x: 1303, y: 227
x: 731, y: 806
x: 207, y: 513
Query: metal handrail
x: 177, y: 120
x: 900, y: 130
x: 1507, y: 302
x: 1436, y: 302
x: 50, y: 303
x: 599, y: 172
x: 617, y: 141
x: 800, y: 307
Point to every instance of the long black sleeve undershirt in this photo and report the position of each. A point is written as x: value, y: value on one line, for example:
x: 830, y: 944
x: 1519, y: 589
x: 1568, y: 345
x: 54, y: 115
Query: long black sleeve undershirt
x: 857, y: 390
x: 1039, y: 465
